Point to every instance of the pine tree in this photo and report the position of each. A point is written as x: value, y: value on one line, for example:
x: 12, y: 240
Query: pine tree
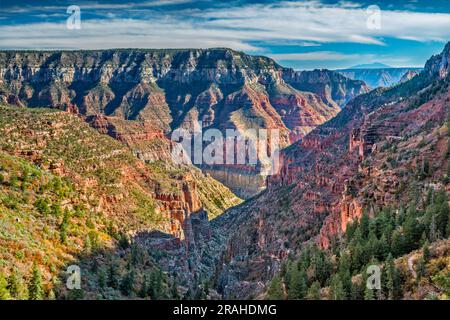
x: 64, y: 226
x: 275, y: 291
x: 383, y: 248
x: 4, y: 292
x: 413, y: 232
x: 35, y: 290
x: 15, y: 285
x: 357, y: 292
x: 426, y: 168
x: 364, y: 225
x: 433, y: 228
x: 368, y: 294
x: 155, y: 290
x: 448, y: 227
x: 113, y: 275
x: 174, y: 290
x: 136, y: 254
x: 87, y: 244
x: 188, y: 294
x: 398, y: 244
x: 421, y: 268
x: 443, y: 215
x: 314, y: 291
x: 143, y: 291
x: 298, y: 285
x: 337, y: 289
x: 101, y: 278
x: 51, y: 295
x: 127, y: 283
x: 426, y: 252
x: 391, y: 277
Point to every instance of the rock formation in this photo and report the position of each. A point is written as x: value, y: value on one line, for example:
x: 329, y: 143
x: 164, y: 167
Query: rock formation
x: 169, y: 89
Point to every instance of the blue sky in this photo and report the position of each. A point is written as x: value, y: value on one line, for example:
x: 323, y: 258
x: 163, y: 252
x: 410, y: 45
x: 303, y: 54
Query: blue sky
x: 299, y: 34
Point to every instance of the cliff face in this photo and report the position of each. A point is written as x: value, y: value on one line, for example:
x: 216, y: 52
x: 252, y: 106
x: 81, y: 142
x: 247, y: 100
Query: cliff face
x: 169, y: 89
x: 149, y: 196
x: 408, y: 75
x: 331, y: 86
x: 439, y: 65
x: 364, y: 158
x: 383, y: 77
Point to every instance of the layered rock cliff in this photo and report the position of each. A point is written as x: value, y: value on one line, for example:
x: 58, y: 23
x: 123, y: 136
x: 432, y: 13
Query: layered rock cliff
x: 170, y: 89
x: 363, y: 159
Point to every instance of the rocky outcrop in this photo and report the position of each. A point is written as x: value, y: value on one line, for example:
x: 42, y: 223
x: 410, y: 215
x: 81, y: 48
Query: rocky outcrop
x: 439, y: 65
x: 169, y: 89
x: 361, y: 160
x: 408, y: 75
x: 331, y: 86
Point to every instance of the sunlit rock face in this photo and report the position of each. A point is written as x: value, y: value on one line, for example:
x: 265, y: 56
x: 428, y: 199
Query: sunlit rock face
x: 170, y: 89
x: 364, y: 159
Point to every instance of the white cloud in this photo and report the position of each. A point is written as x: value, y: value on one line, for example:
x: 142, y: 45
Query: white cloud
x: 320, y: 56
x: 236, y: 27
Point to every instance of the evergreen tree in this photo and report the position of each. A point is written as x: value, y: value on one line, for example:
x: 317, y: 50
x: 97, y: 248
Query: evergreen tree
x: 413, y: 232
x: 442, y: 216
x: 113, y: 275
x: 390, y: 277
x: 433, y: 228
x: 4, y: 292
x: 382, y: 248
x: 15, y: 285
x: 64, y: 226
x: 400, y: 216
x: 275, y: 291
x: 421, y: 268
x: 298, y: 285
x: 426, y: 168
x: 143, y: 291
x: 76, y: 294
x: 448, y: 227
x: 51, y: 295
x: 426, y: 252
x: 35, y: 290
x: 174, y: 290
x: 364, y: 225
x: 398, y: 244
x: 188, y: 294
x: 368, y: 294
x: 136, y: 255
x: 156, y: 284
x: 337, y: 289
x: 101, y: 278
x: 127, y: 283
x: 357, y: 292
x: 314, y: 291
x: 42, y: 206
x: 56, y: 210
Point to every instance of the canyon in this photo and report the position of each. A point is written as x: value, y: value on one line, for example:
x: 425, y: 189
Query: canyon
x: 101, y: 121
x: 365, y: 158
x: 169, y: 89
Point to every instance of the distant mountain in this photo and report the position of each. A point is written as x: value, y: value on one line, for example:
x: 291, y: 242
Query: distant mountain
x: 374, y: 65
x: 381, y: 77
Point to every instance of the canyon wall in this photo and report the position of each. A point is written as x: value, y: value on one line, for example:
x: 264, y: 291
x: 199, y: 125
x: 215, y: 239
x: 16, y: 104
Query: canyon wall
x: 170, y: 89
x: 367, y: 157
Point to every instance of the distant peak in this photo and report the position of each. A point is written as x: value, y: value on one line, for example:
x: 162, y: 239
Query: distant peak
x: 373, y: 65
